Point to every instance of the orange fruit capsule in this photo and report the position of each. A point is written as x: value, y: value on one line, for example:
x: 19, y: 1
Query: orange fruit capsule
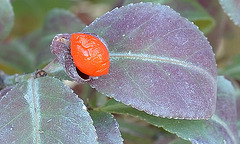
x: 90, y: 54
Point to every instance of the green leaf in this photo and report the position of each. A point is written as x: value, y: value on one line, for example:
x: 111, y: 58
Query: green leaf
x: 136, y: 131
x: 56, y: 70
x: 107, y: 128
x: 56, y: 21
x: 95, y: 98
x: 189, y: 9
x: 32, y: 51
x: 6, y: 18
x: 30, y: 14
x: 38, y: 44
x: 61, y: 21
x: 17, y: 56
x: 219, y: 129
x: 137, y: 127
x: 179, y: 141
x: 44, y: 111
x: 232, y: 69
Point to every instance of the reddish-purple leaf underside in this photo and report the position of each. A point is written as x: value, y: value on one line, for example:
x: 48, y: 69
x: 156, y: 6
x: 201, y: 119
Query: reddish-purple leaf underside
x: 60, y: 47
x: 159, y: 61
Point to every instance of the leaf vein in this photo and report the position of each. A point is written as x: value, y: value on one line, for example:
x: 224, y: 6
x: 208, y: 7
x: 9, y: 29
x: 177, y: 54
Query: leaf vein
x: 152, y: 58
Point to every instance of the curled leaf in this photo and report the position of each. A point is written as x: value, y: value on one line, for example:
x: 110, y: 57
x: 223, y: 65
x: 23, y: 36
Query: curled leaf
x: 159, y: 62
x: 60, y: 47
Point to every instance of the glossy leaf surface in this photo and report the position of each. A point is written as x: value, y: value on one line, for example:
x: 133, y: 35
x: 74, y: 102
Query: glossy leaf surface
x: 44, y: 110
x: 6, y: 18
x: 221, y: 128
x: 232, y: 8
x: 107, y: 128
x: 159, y: 62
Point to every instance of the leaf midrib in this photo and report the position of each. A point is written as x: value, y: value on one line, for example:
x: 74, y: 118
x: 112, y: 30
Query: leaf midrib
x: 35, y: 110
x: 151, y: 58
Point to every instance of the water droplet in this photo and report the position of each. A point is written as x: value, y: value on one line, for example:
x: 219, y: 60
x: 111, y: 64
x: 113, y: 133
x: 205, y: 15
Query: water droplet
x: 84, y: 107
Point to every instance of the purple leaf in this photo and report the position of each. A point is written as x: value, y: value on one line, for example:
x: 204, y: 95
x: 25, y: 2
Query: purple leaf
x: 226, y: 113
x: 160, y: 62
x: 189, y: 9
x: 4, y: 91
x: 107, y: 128
x: 232, y: 8
x: 238, y: 105
x: 44, y: 110
x: 57, y: 21
x: 6, y: 18
x: 238, y: 109
x: 221, y: 128
x: 60, y: 47
x: 62, y: 21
